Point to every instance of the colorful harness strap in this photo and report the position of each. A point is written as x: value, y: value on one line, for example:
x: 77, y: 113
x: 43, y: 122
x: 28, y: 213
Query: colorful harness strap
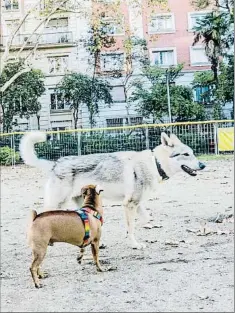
x: 83, y: 213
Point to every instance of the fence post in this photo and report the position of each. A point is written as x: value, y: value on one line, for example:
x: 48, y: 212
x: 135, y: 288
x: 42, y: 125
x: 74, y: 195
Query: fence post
x: 147, y: 138
x: 215, y: 125
x: 79, y: 143
x: 12, y: 149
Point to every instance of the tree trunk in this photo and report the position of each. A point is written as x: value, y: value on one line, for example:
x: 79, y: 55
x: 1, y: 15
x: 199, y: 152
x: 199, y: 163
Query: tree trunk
x: 127, y: 106
x: 91, y: 116
x: 6, y: 125
x: 75, y: 116
x: 38, y: 119
x: 214, y: 68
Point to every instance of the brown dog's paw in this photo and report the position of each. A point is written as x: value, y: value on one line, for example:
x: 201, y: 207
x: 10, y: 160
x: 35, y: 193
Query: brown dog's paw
x: 79, y: 259
x: 38, y: 285
x: 102, y: 246
x: 43, y: 275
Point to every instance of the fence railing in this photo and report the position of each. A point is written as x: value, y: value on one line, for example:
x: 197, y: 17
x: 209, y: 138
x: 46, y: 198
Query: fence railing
x: 60, y: 37
x: 202, y: 137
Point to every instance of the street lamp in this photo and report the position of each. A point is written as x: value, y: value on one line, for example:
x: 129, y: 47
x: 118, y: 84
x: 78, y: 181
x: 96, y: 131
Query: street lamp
x: 168, y: 95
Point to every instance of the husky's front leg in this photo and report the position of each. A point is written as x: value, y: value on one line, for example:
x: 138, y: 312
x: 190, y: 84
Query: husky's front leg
x: 130, y: 207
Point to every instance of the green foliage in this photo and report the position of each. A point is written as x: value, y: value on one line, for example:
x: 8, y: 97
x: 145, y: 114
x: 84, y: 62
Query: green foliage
x: 216, y: 32
x: 205, y: 82
x: 21, y: 98
x: 98, y: 37
x: 220, y: 93
x: 225, y: 87
x: 204, y: 78
x: 158, y: 75
x: 83, y: 89
x: 227, y: 5
x: 7, y: 155
x: 152, y: 101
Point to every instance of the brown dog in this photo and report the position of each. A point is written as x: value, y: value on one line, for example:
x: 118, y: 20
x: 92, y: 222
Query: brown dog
x: 79, y: 228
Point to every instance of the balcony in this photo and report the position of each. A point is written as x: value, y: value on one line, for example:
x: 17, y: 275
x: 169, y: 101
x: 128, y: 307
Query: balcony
x: 45, y: 39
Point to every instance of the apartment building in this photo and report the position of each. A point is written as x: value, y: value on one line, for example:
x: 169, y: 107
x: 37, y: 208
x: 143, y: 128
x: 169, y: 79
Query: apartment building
x: 60, y: 50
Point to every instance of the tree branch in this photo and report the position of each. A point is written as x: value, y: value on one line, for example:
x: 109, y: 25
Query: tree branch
x: 9, y: 43
x: 10, y: 81
x: 46, y: 19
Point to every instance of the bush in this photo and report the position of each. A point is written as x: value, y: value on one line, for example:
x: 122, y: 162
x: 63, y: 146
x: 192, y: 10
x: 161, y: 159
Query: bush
x: 89, y: 144
x: 7, y: 154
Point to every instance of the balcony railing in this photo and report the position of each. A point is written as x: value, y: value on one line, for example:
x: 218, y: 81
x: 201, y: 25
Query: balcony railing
x: 44, y: 39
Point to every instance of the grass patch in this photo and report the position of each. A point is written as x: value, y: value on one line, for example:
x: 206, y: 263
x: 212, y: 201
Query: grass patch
x: 210, y: 157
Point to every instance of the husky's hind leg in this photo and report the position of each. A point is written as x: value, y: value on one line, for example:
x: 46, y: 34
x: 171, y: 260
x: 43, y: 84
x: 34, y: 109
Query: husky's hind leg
x: 130, y: 207
x: 56, y: 194
x: 144, y: 217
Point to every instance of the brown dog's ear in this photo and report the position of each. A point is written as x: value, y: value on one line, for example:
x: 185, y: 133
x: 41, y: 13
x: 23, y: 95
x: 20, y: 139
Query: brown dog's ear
x: 98, y: 189
x: 84, y: 191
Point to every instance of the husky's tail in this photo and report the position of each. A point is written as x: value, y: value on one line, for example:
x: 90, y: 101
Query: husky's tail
x: 28, y: 153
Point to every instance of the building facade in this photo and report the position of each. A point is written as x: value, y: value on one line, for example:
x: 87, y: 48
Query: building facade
x: 60, y: 50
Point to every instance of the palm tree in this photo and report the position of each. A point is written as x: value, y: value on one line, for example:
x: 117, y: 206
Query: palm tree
x: 215, y: 31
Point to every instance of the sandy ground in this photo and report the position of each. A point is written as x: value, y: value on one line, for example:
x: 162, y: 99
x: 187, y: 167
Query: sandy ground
x: 195, y: 276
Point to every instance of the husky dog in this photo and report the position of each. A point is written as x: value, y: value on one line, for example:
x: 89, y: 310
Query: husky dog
x: 125, y: 176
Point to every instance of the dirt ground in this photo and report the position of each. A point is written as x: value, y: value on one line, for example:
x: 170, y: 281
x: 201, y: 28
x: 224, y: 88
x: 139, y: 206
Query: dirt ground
x: 179, y: 271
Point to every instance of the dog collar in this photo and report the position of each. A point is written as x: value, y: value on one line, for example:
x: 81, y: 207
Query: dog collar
x: 161, y: 171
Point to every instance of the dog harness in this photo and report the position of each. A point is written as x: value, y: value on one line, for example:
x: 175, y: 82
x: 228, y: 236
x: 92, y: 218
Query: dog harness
x: 83, y: 214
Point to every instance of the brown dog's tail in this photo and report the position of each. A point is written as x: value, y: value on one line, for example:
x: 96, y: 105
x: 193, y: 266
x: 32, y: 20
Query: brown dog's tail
x: 32, y: 216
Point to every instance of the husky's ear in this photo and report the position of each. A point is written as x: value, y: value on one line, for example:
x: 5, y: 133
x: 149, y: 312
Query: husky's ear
x: 166, y: 141
x: 98, y: 189
x: 175, y: 140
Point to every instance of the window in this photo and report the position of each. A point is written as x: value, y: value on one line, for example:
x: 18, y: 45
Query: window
x: 58, y: 23
x: 58, y: 128
x: 106, y: 1
x: 198, y: 56
x: 118, y: 94
x: 113, y: 27
x: 164, y: 57
x: 58, y: 64
x: 11, y: 26
x: 46, y: 4
x: 135, y: 120
x: 57, y: 136
x: 202, y: 94
x: 58, y: 102
x: 112, y: 62
x: 194, y: 17
x: 162, y: 23
x: 119, y: 122
x: 11, y: 5
x: 114, y: 122
x: 50, y: 4
x: 56, y: 31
